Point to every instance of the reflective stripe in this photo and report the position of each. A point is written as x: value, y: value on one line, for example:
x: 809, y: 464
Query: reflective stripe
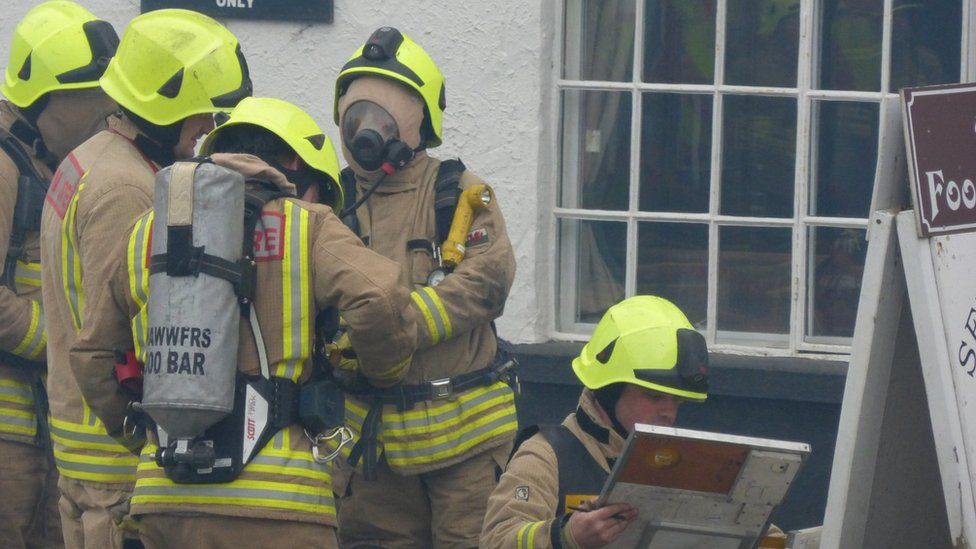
x: 290, y: 463
x: 440, y: 432
x: 432, y: 309
x: 526, y: 535
x: 315, y: 497
x: 396, y: 371
x: 80, y: 436
x: 71, y: 263
x: 139, y: 281
x: 296, y: 344
x: 23, y: 419
x: 96, y: 468
x: 28, y: 274
x: 35, y: 339
x: 452, y: 444
x: 451, y: 412
x: 16, y: 392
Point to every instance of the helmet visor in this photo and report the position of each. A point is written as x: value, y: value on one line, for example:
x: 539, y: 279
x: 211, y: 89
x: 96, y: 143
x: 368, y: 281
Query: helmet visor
x: 690, y: 372
x: 366, y: 115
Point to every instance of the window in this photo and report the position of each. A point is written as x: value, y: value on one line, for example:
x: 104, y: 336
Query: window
x: 722, y: 153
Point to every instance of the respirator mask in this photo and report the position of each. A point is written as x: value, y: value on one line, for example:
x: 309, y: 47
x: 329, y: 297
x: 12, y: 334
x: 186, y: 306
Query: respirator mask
x: 373, y: 139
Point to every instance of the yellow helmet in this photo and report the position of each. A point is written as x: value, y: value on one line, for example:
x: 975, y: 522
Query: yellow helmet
x: 58, y: 45
x: 646, y: 341
x: 391, y: 54
x: 173, y: 64
x: 296, y: 128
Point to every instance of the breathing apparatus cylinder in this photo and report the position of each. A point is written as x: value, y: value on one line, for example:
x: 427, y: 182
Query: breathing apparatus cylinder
x: 194, y: 317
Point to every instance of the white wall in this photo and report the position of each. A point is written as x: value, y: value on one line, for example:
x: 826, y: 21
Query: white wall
x: 495, y: 56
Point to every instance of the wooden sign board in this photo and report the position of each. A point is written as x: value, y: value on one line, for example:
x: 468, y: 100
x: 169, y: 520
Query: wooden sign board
x: 905, y: 459
x: 940, y: 136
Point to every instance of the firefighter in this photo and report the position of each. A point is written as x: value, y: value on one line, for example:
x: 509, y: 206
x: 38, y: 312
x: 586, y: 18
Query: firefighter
x: 174, y: 69
x: 314, y: 263
x: 643, y: 360
x: 428, y: 448
x: 53, y: 103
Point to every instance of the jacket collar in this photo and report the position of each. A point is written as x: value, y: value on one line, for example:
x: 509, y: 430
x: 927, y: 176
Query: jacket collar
x: 14, y: 122
x: 591, y: 420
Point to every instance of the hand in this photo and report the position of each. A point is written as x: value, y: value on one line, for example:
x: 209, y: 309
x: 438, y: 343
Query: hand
x: 601, y: 526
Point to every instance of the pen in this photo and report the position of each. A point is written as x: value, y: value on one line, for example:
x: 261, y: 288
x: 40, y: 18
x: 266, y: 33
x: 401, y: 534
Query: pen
x: 618, y: 516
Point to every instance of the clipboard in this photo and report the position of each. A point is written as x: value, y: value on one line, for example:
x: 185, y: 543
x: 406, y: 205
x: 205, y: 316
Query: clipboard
x: 696, y: 489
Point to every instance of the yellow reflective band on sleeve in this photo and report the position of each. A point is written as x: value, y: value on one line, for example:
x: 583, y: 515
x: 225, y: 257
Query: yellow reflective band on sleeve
x: 432, y: 309
x: 137, y: 249
x: 394, y: 372
x: 435, y: 335
x: 296, y: 341
x: 28, y: 274
x: 35, y: 340
x: 71, y: 262
x: 526, y: 535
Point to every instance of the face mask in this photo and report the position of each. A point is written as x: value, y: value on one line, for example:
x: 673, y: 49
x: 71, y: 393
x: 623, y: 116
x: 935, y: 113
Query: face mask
x: 373, y: 139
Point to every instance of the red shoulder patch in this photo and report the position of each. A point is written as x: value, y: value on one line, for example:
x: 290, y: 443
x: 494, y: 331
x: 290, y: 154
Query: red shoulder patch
x: 269, y: 236
x: 64, y: 184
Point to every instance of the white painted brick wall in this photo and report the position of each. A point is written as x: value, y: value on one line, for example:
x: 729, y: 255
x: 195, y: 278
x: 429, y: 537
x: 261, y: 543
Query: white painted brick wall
x: 496, y: 57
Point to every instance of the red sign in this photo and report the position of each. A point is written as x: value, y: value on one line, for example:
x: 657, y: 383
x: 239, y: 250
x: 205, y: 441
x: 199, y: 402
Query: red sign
x: 940, y: 135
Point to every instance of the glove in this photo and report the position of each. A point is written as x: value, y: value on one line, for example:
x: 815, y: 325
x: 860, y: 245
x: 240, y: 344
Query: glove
x: 345, y: 362
x: 342, y: 356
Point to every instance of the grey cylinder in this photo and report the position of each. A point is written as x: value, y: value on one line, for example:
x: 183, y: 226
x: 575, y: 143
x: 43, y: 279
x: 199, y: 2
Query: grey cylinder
x: 191, y: 347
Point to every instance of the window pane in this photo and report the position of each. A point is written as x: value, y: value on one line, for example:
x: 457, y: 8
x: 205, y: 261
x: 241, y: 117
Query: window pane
x: 762, y: 42
x: 837, y: 265
x: 851, y: 55
x: 754, y: 280
x: 759, y: 154
x: 847, y: 151
x: 672, y: 262
x: 592, y: 266
x: 679, y: 41
x: 676, y: 152
x: 599, y: 38
x: 925, y: 40
x: 596, y: 150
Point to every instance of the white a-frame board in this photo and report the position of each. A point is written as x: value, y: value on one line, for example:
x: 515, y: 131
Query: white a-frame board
x: 904, y: 463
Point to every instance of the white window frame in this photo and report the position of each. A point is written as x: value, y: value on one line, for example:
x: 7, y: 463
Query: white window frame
x: 796, y: 343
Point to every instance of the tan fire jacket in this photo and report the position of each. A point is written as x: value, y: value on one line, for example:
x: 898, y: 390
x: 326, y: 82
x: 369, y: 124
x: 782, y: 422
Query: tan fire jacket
x: 523, y: 509
x: 313, y: 262
x: 456, y: 334
x: 96, y: 194
x: 21, y: 315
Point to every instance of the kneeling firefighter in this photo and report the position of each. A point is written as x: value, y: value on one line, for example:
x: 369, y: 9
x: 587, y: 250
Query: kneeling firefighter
x: 429, y: 447
x: 52, y: 103
x: 216, y: 291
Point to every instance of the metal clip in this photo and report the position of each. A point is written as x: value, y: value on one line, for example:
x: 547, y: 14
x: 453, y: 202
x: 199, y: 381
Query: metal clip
x: 345, y: 437
x: 441, y: 388
x: 127, y: 432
